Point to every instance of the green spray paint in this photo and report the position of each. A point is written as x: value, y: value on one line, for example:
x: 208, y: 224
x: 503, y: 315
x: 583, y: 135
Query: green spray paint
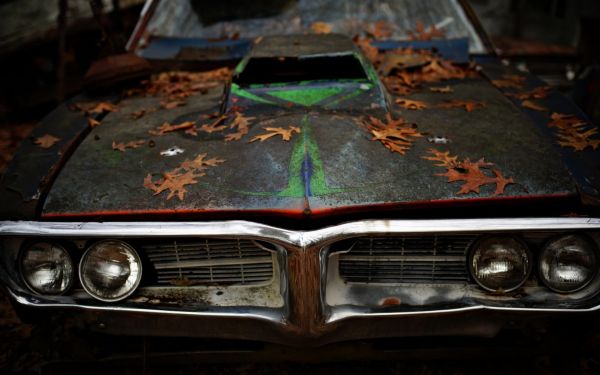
x: 307, y: 96
x: 236, y: 90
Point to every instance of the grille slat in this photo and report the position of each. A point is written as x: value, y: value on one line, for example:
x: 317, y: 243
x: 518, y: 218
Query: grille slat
x: 407, y: 259
x: 209, y: 261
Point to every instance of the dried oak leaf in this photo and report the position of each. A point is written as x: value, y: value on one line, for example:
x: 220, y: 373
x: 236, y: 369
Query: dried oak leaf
x: 320, y: 27
x: 573, y: 132
x: 241, y: 124
x: 468, y: 105
x: 215, y: 126
x: 411, y: 104
x: 396, y: 86
x: 286, y: 134
x: 442, y: 89
x: 509, y: 81
x: 421, y: 34
x: 370, y: 51
x: 46, y: 141
x: 395, y: 134
x: 474, y: 174
x: 537, y: 93
x: 529, y: 104
x: 169, y: 128
x: 120, y: 146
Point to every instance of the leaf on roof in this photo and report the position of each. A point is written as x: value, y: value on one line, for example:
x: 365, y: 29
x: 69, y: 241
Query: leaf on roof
x: 242, y: 125
x: 509, y: 81
x: 320, y: 27
x: 441, y: 89
x: 169, y: 128
x: 573, y: 132
x: 46, y: 141
x: 530, y: 104
x: 121, y: 146
x: 474, y: 175
x: 395, y: 134
x: 420, y: 33
x: 176, y: 180
x: 411, y: 104
x: 468, y: 105
x: 286, y: 134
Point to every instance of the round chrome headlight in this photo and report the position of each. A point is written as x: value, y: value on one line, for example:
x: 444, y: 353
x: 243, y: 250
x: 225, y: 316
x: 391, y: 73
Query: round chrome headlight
x: 110, y: 270
x: 500, y: 264
x: 47, y: 268
x: 568, y: 263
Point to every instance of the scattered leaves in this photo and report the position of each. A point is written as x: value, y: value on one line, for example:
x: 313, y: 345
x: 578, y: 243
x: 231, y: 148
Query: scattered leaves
x: 441, y: 89
x: 286, y: 134
x: 241, y: 124
x: 46, y: 141
x: 176, y: 180
x: 169, y: 128
x: 421, y: 33
x: 381, y: 30
x: 529, y: 104
x: 370, y: 51
x: 468, y: 105
x: 320, y: 27
x: 395, y: 134
x: 120, y: 146
x: 411, y: 104
x: 573, y: 132
x: 509, y: 81
x: 215, y: 126
x: 473, y: 174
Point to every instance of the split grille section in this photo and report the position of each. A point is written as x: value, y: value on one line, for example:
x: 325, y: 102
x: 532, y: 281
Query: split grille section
x: 436, y: 259
x: 209, y: 262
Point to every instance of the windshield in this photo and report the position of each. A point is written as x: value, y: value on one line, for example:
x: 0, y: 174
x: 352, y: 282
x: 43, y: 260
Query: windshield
x: 250, y: 19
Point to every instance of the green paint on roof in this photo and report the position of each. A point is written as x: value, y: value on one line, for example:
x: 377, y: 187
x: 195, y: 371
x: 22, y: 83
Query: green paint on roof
x: 307, y: 96
x: 236, y: 90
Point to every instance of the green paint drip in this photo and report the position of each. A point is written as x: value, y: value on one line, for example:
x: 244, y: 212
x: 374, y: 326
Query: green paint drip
x: 236, y: 90
x: 307, y: 96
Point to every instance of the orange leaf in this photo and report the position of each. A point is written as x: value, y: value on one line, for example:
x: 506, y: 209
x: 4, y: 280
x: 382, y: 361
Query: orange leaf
x: 119, y: 146
x: 93, y: 122
x: 396, y: 135
x: 468, y: 105
x: 46, y: 141
x: 286, y: 134
x: 441, y: 90
x: 537, y: 93
x: 168, y: 128
x: 320, y: 27
x: 215, y: 125
x: 411, y: 104
x: 241, y: 124
x: 532, y: 105
x: 509, y: 81
x: 572, y: 133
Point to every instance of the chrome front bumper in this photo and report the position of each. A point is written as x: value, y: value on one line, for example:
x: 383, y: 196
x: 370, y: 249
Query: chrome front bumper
x: 306, y: 318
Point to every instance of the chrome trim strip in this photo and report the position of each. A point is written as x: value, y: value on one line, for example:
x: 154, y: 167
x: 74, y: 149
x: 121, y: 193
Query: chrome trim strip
x: 296, y: 238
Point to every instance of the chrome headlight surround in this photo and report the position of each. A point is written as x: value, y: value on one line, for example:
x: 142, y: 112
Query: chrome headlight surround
x: 519, y: 246
x: 120, y: 265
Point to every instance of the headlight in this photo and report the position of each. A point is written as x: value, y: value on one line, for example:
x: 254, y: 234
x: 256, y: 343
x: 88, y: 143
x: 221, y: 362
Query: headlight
x: 47, y: 268
x: 110, y: 270
x: 500, y: 263
x: 568, y: 264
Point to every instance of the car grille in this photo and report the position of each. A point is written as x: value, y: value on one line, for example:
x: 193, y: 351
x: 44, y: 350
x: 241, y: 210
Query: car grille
x: 407, y: 259
x: 209, y: 262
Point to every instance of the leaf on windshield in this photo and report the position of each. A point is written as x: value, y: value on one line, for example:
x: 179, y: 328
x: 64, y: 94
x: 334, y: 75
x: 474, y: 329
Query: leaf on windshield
x: 411, y: 104
x: 395, y: 134
x: 468, y: 105
x: 474, y: 175
x: 286, y: 134
x: 46, y: 141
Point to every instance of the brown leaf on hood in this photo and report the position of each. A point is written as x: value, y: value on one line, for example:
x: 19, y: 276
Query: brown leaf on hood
x: 468, y: 105
x: 169, y: 128
x: 120, y: 146
x: 537, y: 93
x: 395, y: 134
x: 89, y: 108
x: 421, y: 34
x: 286, y: 134
x: 46, y: 141
x: 473, y: 174
x: 411, y: 104
x: 215, y: 126
x: 241, y: 124
x: 509, y: 81
x: 529, y: 104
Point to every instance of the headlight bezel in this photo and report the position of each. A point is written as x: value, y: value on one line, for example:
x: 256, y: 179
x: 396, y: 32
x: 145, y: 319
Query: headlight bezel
x: 52, y: 243
x: 92, y: 293
x: 529, y: 253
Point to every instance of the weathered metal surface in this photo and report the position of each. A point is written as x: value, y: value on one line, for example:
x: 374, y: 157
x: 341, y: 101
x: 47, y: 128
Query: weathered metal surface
x: 332, y: 165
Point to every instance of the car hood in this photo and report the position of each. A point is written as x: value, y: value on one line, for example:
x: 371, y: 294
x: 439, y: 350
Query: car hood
x: 332, y: 165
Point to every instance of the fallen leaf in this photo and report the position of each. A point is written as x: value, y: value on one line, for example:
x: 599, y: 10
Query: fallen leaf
x: 573, y: 132
x: 381, y: 30
x: 509, y: 81
x: 120, y: 146
x: 215, y: 126
x: 93, y: 122
x: 370, y: 51
x: 441, y: 90
x: 402, y: 59
x: 46, y: 141
x: 395, y: 134
x: 532, y: 105
x: 468, y: 105
x: 474, y: 175
x: 169, y: 128
x: 139, y: 114
x: 89, y: 108
x: 421, y: 34
x: 172, y: 104
x: 286, y: 134
x: 320, y: 27
x: 241, y: 124
x: 537, y: 93
x: 411, y: 104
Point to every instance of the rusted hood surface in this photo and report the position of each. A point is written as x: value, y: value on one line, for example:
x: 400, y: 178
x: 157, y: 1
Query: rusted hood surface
x: 332, y: 164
